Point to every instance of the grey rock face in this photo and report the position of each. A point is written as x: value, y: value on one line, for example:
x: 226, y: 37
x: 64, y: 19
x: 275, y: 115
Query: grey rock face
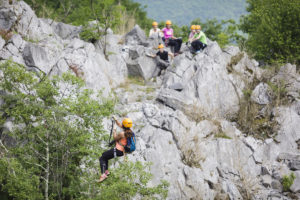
x: 2, y: 42
x: 67, y: 31
x: 185, y: 129
x: 267, y: 181
x: 136, y: 37
x: 176, y: 86
x: 36, y: 56
x: 292, y: 160
x: 289, y: 79
x: 261, y: 94
x: 139, y: 64
x: 296, y: 185
x: 7, y: 18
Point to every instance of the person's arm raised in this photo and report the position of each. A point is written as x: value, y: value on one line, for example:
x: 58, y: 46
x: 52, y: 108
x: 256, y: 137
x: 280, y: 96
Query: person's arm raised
x: 118, y: 123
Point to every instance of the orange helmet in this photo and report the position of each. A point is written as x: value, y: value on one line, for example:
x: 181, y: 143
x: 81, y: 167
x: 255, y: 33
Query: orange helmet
x: 198, y: 27
x: 160, y: 46
x: 154, y: 23
x: 193, y: 27
x: 168, y: 22
x: 127, y: 123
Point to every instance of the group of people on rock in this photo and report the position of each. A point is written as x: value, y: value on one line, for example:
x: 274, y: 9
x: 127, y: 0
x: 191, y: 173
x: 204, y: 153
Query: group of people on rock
x: 197, y: 40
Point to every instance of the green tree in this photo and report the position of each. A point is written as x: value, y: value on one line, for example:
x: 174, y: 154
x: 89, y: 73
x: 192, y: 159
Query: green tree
x: 57, y: 132
x: 54, y: 129
x: 273, y: 28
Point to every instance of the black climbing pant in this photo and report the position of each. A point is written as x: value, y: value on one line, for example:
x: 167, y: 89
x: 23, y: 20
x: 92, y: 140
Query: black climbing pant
x: 107, y: 155
x: 161, y: 65
x: 197, y: 45
x: 176, y: 43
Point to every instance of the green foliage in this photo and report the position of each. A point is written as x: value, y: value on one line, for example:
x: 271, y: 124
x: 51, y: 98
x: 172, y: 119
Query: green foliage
x: 222, y: 135
x: 287, y: 181
x: 17, y: 181
x: 272, y: 28
x: 222, y: 39
x: 279, y: 92
x: 90, y: 33
x: 79, y: 12
x: 57, y: 130
x: 130, y: 179
x: 60, y: 129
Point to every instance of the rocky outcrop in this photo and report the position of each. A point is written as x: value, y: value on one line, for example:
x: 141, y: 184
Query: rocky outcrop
x: 65, y: 31
x: 55, y: 48
x: 261, y: 94
x: 184, y: 119
x: 136, y: 37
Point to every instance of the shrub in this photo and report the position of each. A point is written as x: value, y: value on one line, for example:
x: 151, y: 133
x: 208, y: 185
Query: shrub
x: 287, y: 181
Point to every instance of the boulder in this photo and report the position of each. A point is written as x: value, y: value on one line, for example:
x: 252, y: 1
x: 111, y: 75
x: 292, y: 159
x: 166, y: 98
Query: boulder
x: 36, y: 56
x: 136, y: 37
x: 266, y: 181
x: 289, y: 79
x: 296, y: 185
x: 142, y: 66
x: 174, y: 99
x: 293, y: 160
x: 66, y: 31
x: 18, y: 42
x: 28, y: 24
x: 7, y: 18
x: 289, y: 126
x: 261, y: 94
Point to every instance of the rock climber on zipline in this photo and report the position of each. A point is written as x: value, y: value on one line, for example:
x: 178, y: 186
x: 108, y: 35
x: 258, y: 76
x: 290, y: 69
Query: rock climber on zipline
x: 124, y: 141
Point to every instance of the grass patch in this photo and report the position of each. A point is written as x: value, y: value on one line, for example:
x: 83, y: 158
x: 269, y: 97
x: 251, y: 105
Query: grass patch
x: 194, y: 113
x: 257, y: 120
x: 139, y: 98
x: 149, y: 90
x: 149, y: 98
x: 192, y: 159
x: 222, y: 135
x: 132, y: 80
x: 111, y: 53
x: 136, y: 80
x: 31, y: 40
x: 279, y: 92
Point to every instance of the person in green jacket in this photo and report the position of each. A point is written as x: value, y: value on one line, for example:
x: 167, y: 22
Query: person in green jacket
x: 199, y: 41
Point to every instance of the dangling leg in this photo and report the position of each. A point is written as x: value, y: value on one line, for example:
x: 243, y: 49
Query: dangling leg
x: 107, y: 155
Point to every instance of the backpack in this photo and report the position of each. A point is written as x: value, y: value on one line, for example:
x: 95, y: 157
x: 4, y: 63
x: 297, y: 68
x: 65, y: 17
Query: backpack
x: 130, y: 147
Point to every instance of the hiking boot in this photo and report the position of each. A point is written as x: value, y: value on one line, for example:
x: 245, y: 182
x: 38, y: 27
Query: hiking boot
x: 106, y: 172
x: 102, y: 178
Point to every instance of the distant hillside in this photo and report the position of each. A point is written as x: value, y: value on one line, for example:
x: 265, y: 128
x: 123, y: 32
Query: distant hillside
x: 184, y: 11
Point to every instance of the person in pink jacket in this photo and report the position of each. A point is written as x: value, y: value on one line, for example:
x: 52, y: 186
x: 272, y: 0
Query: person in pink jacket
x: 169, y: 38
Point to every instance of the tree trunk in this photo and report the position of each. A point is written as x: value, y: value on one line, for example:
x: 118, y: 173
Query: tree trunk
x: 47, y: 169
